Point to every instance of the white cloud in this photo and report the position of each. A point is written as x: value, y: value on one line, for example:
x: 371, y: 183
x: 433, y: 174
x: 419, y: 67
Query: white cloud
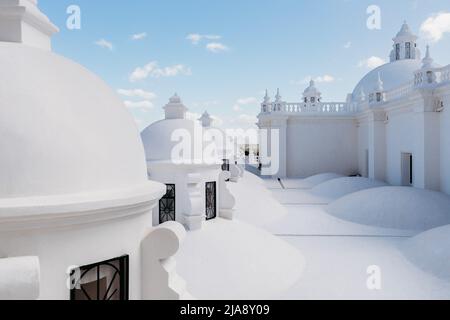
x: 244, y: 102
x: 348, y: 45
x: 326, y: 78
x: 139, y: 36
x: 104, y: 44
x: 153, y: 70
x: 195, y: 38
x: 218, y: 122
x: 216, y: 47
x: 144, y: 105
x: 137, y: 93
x: 248, y: 120
x: 371, y: 63
x: 436, y: 26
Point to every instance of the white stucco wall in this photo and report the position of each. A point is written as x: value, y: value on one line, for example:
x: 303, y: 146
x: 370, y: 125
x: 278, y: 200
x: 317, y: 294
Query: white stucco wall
x: 58, y: 249
x: 363, y: 147
x: 178, y: 175
x: 401, y: 137
x: 321, y: 145
x: 445, y: 146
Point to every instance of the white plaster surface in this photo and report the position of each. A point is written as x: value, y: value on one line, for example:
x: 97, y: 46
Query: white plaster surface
x: 19, y: 278
x: 310, y: 182
x: 337, y: 254
x: 255, y: 204
x: 395, y: 207
x: 314, y: 220
x: 430, y: 251
x: 233, y: 260
x: 338, y: 188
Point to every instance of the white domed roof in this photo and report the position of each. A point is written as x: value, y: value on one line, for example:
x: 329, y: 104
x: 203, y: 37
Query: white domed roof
x: 62, y: 129
x: 158, y: 144
x: 392, y: 74
x: 430, y: 251
x: 340, y: 187
x: 394, y: 207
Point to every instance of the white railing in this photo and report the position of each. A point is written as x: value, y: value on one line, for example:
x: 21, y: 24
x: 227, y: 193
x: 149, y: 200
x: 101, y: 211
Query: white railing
x: 428, y: 77
x: 310, y: 108
x: 432, y: 76
x: 443, y: 74
x: 400, y: 91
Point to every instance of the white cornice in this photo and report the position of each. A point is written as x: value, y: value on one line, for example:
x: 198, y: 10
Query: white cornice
x: 71, y: 210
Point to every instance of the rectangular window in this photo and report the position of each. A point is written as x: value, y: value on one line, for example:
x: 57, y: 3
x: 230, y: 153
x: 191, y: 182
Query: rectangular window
x: 211, y: 200
x: 226, y: 165
x: 407, y: 170
x: 397, y: 51
x: 408, y: 50
x: 108, y: 280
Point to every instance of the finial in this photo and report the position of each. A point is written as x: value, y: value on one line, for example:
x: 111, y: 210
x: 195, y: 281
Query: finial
x: 278, y: 96
x: 427, y: 62
x: 380, y: 83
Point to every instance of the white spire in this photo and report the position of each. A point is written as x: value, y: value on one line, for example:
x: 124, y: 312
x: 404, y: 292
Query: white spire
x: 427, y: 62
x: 23, y: 22
x: 405, y: 30
x: 266, y: 97
x: 362, y: 95
x: 380, y: 84
x: 278, y: 97
x: 175, y: 109
x: 206, y: 120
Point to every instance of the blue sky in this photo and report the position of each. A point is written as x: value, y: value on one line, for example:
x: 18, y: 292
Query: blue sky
x: 253, y: 45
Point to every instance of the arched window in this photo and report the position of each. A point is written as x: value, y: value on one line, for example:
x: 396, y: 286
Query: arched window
x: 313, y: 100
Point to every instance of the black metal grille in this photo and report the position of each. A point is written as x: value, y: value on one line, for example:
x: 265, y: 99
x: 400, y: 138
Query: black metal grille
x: 211, y: 204
x: 108, y: 280
x: 167, y: 205
x: 226, y: 165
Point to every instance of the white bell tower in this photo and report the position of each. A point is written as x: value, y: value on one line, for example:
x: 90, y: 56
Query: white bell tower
x: 175, y: 109
x: 405, y: 45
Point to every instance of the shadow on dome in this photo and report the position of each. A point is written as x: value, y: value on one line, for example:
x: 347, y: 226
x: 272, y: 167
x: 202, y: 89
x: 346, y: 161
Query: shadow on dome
x: 394, y: 207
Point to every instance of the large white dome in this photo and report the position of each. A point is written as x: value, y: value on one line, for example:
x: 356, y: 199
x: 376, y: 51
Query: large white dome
x: 62, y: 129
x: 393, y: 75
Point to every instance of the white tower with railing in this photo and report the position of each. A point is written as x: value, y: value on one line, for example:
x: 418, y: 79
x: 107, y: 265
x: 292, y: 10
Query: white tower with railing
x: 405, y: 45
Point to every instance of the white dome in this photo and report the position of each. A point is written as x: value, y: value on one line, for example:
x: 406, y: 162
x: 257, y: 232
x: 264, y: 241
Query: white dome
x: 62, y: 129
x: 392, y: 74
x: 339, y: 187
x: 394, y: 207
x: 158, y: 144
x: 430, y: 251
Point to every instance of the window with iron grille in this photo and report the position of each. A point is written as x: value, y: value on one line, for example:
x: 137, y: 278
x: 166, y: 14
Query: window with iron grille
x: 226, y: 165
x: 108, y: 280
x: 211, y: 200
x: 167, y: 205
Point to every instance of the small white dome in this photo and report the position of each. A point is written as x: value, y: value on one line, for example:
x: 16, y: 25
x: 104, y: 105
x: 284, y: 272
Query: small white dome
x: 159, y: 144
x: 393, y: 75
x: 62, y: 129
